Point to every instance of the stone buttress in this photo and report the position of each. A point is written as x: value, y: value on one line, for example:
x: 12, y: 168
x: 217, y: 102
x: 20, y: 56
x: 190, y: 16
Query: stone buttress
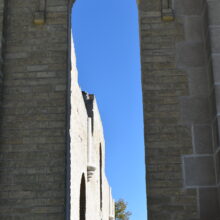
x: 34, y: 65
x: 180, y: 78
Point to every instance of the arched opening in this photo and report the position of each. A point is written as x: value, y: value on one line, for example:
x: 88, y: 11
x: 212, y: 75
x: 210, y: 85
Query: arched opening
x: 106, y: 40
x: 100, y: 174
x: 82, y: 199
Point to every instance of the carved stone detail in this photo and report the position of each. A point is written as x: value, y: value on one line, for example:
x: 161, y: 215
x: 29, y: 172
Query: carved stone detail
x: 167, y: 12
x: 40, y: 14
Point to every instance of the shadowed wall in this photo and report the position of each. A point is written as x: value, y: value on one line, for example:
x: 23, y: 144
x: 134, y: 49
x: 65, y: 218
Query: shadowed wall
x: 179, y: 48
x: 33, y: 119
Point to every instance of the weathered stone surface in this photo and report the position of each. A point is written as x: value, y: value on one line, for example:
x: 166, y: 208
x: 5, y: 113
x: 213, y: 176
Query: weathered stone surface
x: 209, y: 204
x: 214, y: 16
x: 152, y: 5
x: 33, y: 119
x: 190, y: 54
x: 88, y: 155
x: 198, y: 79
x: 199, y: 171
x: 193, y: 28
x: 179, y: 92
x: 179, y: 108
x: 40, y: 117
x: 203, y: 139
x: 215, y: 37
x: 197, y: 113
x: 188, y: 7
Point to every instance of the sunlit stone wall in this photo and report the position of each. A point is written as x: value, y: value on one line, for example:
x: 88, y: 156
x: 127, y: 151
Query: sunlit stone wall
x: 86, y: 140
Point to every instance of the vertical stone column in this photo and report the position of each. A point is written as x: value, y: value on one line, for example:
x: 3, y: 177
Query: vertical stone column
x: 179, y: 111
x: 34, y: 110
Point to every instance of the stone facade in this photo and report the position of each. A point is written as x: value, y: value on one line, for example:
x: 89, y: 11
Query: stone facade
x: 48, y: 172
x: 88, y: 155
x: 180, y: 78
x: 33, y: 111
x: 36, y: 106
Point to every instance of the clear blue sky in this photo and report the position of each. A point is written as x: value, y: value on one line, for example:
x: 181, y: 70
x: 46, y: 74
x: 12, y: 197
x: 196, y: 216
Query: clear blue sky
x: 108, y: 59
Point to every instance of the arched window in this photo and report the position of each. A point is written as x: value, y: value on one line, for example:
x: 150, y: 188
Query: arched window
x: 100, y: 174
x: 82, y: 199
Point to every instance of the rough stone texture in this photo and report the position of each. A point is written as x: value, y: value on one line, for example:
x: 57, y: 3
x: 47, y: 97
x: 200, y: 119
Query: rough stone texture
x: 199, y: 171
x: 35, y: 118
x: 209, y: 203
x: 33, y: 128
x: 203, y: 139
x: 179, y: 59
x: 85, y: 152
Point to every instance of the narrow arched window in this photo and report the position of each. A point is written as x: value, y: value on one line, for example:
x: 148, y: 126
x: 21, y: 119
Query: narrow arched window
x: 82, y: 200
x: 100, y: 174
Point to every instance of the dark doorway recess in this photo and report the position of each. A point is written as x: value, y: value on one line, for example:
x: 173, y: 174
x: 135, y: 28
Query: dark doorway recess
x: 82, y: 205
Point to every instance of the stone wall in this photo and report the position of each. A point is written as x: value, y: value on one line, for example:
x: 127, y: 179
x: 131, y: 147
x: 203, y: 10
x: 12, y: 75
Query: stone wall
x: 87, y: 141
x: 42, y: 163
x: 181, y: 127
x: 214, y: 30
x: 33, y: 128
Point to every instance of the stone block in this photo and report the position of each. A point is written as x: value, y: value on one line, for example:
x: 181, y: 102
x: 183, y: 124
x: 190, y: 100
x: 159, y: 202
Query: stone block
x: 36, y: 68
x: 214, y: 15
x: 150, y: 5
x: 188, y: 7
x: 16, y: 55
x: 193, y: 29
x: 216, y: 67
x: 209, y: 205
x: 194, y: 110
x: 33, y: 67
x: 199, y: 171
x: 215, y: 38
x: 203, y: 139
x: 191, y: 55
x: 198, y: 82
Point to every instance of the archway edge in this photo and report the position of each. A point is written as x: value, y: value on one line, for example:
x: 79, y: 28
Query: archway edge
x: 71, y: 2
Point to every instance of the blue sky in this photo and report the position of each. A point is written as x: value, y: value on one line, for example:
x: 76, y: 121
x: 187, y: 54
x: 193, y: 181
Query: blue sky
x: 108, y: 59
